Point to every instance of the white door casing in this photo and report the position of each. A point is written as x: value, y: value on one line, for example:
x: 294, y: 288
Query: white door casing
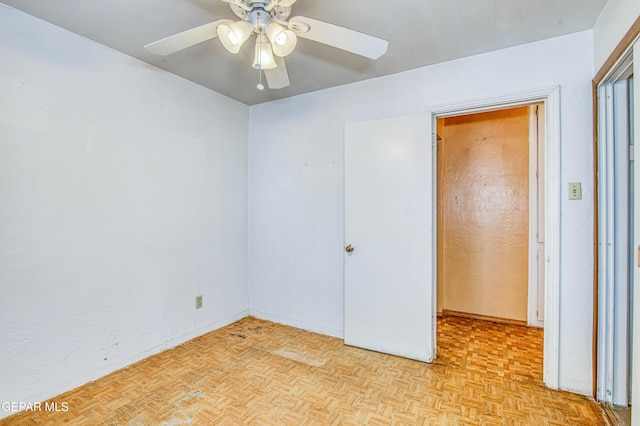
x: 551, y: 201
x: 535, y: 298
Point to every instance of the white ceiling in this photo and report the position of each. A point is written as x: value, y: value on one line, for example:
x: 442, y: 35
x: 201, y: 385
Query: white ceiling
x: 420, y: 32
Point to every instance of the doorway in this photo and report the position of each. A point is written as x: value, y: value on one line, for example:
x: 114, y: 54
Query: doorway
x: 490, y: 215
x: 490, y: 241
x: 550, y: 198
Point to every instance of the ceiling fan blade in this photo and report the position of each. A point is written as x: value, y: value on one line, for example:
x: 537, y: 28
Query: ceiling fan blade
x: 340, y: 37
x: 188, y: 38
x: 239, y: 3
x: 277, y: 78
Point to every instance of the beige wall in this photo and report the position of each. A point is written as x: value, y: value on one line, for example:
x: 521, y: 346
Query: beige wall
x: 483, y: 213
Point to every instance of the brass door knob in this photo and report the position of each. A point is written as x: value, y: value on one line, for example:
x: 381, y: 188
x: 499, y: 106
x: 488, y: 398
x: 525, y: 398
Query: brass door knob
x: 349, y: 248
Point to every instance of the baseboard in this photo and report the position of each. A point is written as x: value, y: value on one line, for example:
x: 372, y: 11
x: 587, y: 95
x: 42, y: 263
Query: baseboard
x: 297, y: 324
x: 448, y: 313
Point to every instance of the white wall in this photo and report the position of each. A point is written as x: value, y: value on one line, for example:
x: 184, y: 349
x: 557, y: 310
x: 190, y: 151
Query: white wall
x: 296, y: 183
x: 123, y: 195
x: 614, y: 22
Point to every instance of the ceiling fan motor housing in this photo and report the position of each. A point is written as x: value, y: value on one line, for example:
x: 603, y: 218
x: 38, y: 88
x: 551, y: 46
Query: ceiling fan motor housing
x: 260, y: 18
x: 278, y: 9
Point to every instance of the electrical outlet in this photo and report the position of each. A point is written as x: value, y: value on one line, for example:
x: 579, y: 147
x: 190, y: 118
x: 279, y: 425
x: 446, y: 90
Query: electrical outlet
x: 198, y: 302
x: 575, y: 191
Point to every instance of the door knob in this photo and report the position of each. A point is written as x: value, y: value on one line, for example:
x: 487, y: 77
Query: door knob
x: 349, y: 248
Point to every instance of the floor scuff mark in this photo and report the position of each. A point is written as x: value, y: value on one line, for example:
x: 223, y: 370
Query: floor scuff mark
x: 182, y: 415
x: 303, y: 358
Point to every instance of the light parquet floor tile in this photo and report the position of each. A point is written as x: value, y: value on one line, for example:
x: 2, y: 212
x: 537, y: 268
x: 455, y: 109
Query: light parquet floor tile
x: 255, y: 372
x: 509, y: 351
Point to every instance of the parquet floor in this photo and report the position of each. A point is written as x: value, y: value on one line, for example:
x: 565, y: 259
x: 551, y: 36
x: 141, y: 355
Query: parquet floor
x: 255, y: 372
x: 507, y: 351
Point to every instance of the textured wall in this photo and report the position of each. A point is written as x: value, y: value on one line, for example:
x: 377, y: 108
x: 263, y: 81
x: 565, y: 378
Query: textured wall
x: 123, y: 196
x: 485, y: 209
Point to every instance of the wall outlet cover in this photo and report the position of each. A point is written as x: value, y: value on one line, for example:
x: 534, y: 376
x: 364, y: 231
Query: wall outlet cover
x: 575, y: 191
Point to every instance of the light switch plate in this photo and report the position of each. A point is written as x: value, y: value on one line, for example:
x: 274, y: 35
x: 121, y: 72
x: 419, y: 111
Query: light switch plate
x: 575, y: 191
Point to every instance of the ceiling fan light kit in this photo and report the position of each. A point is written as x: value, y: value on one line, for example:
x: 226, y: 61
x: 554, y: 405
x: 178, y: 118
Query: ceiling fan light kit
x: 275, y: 36
x: 234, y: 35
x: 283, y: 40
x: 263, y: 59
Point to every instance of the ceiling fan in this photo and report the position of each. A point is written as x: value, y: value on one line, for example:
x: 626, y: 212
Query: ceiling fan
x: 275, y: 37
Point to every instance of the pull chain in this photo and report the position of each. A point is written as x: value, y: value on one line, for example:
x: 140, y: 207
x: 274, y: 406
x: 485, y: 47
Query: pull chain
x: 260, y: 86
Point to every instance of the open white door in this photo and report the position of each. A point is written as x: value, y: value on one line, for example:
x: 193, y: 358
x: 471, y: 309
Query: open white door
x: 389, y: 265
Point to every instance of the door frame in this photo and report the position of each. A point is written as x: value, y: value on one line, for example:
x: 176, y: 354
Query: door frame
x: 613, y: 296
x: 630, y: 43
x: 550, y: 96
